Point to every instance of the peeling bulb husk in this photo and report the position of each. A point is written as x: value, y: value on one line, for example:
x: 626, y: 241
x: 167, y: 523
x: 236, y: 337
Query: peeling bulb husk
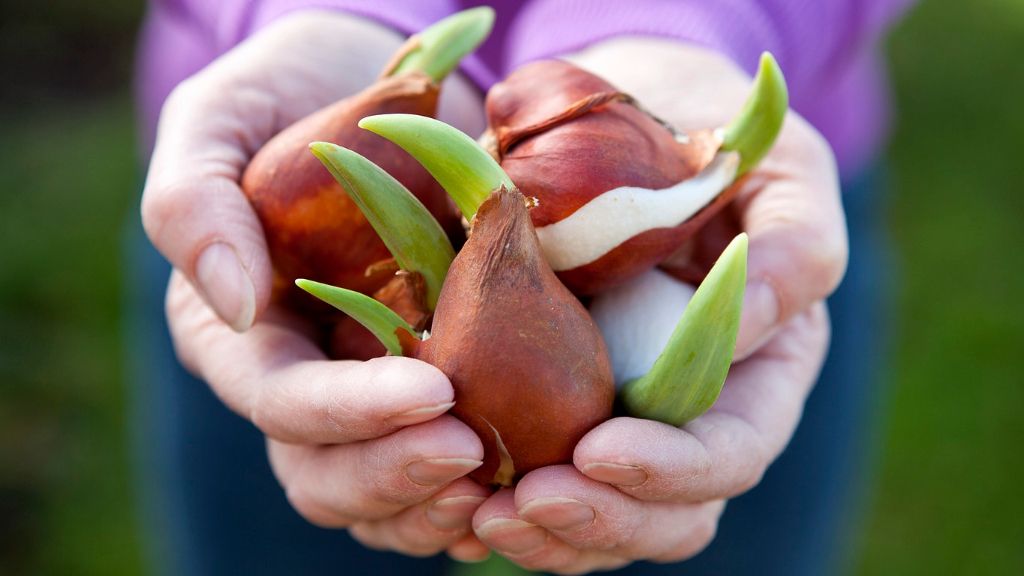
x: 590, y: 153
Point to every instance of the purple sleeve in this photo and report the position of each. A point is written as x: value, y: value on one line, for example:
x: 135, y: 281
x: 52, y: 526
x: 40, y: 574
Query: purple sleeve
x: 826, y: 48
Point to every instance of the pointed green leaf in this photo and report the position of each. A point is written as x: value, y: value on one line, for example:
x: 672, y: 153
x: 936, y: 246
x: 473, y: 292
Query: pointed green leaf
x: 405, y: 225
x: 688, y: 375
x: 464, y: 169
x: 752, y: 132
x: 443, y: 45
x: 376, y: 317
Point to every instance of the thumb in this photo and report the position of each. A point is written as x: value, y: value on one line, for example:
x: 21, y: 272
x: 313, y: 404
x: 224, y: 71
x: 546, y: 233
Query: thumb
x: 193, y: 209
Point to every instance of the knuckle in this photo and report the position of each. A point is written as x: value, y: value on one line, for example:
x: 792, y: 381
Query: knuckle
x: 552, y: 556
x: 702, y: 536
x: 365, y: 534
x: 751, y: 479
x: 698, y: 469
x: 384, y: 481
x: 314, y: 511
x: 545, y: 562
x: 182, y: 96
x: 400, y: 535
x: 826, y: 256
x: 158, y: 208
x: 420, y: 543
x: 169, y: 207
x: 695, y: 541
x: 818, y: 259
x: 261, y: 417
x: 572, y: 569
x: 334, y: 412
x: 751, y: 474
x: 741, y: 457
x: 756, y: 463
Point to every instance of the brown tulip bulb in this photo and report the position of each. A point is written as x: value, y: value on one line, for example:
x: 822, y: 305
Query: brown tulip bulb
x: 529, y: 366
x: 568, y: 137
x: 313, y: 228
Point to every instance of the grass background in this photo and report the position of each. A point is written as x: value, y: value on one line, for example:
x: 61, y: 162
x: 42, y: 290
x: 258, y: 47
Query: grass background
x: 946, y: 501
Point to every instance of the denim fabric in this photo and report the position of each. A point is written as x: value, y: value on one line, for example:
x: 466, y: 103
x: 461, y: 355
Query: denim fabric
x: 212, y: 506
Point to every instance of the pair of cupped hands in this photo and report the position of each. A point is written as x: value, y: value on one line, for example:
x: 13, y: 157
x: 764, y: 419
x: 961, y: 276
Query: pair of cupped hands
x: 368, y: 446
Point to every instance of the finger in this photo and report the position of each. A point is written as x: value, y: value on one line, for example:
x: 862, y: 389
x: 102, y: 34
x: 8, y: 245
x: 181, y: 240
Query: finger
x: 192, y: 207
x: 792, y: 211
x: 533, y: 547
x: 469, y: 548
x: 726, y: 451
x: 340, y: 485
x: 591, y: 515
x: 427, y: 528
x: 276, y: 377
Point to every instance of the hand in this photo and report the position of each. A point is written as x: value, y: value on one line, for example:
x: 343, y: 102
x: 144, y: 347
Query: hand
x: 360, y: 445
x: 641, y: 490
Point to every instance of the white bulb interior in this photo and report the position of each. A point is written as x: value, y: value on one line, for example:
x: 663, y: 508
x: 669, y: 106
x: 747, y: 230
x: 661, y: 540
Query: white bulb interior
x: 638, y: 318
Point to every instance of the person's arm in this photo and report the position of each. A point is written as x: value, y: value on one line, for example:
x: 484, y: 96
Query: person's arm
x: 365, y: 446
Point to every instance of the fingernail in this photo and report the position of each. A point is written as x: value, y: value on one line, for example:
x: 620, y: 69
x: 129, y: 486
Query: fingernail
x: 620, y: 474
x: 419, y: 415
x: 454, y: 512
x: 226, y: 286
x: 558, y: 513
x: 437, y: 471
x: 512, y: 536
x: 759, y: 318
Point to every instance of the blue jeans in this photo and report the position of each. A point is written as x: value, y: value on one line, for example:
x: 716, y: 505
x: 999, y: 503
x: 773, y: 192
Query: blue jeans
x: 212, y: 506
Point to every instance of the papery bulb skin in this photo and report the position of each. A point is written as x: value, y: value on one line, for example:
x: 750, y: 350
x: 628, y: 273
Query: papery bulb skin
x: 566, y: 136
x: 530, y: 370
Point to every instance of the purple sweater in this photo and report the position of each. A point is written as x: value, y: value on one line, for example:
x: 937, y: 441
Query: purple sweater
x: 827, y: 48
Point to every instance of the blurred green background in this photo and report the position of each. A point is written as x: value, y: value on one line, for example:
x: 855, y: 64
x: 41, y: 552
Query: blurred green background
x: 946, y: 499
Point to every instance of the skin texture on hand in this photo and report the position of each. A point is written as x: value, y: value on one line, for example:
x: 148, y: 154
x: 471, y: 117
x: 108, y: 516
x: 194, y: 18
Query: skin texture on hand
x: 643, y: 490
x: 365, y: 446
